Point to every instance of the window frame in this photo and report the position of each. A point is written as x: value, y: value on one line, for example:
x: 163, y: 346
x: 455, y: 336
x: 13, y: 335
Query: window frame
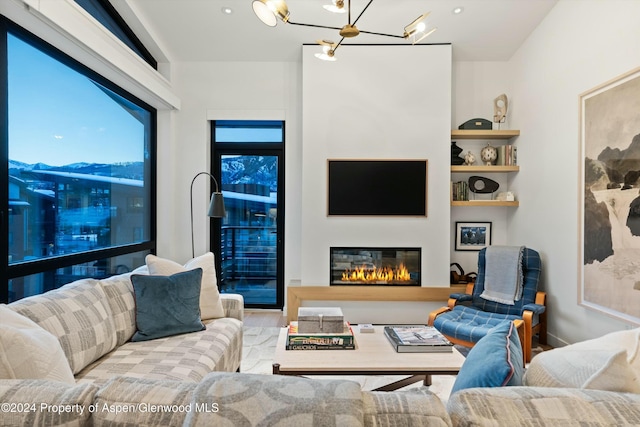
x: 26, y: 268
x: 222, y: 148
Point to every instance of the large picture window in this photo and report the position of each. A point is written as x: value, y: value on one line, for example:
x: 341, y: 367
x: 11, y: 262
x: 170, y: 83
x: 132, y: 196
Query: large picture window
x: 79, y: 189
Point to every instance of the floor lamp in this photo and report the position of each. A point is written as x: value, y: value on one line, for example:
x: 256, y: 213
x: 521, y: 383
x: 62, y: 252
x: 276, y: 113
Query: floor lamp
x: 216, y: 206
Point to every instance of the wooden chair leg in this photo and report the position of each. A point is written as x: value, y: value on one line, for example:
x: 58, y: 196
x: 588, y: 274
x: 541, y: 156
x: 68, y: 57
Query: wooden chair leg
x: 542, y: 333
x: 520, y: 328
x: 527, y: 316
x: 541, y: 298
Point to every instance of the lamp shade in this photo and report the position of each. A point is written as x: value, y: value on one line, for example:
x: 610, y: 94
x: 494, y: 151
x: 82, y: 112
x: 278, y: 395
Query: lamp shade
x: 269, y: 10
x: 216, y: 206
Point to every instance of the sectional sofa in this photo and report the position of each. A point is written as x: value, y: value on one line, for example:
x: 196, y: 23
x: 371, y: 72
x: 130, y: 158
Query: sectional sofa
x: 75, y: 357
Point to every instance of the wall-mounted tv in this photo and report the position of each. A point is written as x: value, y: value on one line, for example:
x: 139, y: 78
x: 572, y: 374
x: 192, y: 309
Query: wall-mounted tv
x: 377, y: 187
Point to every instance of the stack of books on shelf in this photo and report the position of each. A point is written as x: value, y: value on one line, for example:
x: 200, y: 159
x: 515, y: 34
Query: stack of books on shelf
x: 459, y: 191
x: 507, y: 155
x: 417, y: 339
x: 320, y: 341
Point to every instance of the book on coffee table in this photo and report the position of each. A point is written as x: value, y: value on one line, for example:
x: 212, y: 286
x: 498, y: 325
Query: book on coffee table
x: 417, y: 339
x: 320, y: 341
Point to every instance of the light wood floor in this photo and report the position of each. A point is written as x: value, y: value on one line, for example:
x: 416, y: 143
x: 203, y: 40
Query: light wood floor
x: 264, y: 318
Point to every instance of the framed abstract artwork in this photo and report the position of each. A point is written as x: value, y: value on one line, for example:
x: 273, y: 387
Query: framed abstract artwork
x: 472, y: 236
x: 609, y: 198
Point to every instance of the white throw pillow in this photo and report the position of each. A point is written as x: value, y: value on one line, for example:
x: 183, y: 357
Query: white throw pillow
x: 210, y: 304
x: 628, y: 340
x: 27, y: 351
x: 597, y: 369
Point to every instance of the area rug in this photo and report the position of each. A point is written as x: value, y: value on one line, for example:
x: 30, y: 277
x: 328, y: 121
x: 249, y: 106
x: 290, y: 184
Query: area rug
x: 259, y: 347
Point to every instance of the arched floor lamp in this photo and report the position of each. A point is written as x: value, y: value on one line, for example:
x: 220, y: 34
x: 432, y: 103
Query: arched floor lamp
x: 216, y: 206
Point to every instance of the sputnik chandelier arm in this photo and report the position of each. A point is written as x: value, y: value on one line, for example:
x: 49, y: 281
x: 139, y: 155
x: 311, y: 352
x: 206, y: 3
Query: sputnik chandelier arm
x: 268, y: 11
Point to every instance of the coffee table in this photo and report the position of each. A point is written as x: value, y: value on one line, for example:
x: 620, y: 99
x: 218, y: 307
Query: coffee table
x: 373, y: 355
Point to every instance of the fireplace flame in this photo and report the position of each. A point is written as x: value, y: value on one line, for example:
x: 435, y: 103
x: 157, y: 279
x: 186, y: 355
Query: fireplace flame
x: 377, y: 275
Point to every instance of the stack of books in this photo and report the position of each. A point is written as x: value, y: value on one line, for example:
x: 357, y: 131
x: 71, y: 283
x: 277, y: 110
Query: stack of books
x: 507, y: 155
x: 459, y: 191
x: 320, y: 341
x: 417, y: 339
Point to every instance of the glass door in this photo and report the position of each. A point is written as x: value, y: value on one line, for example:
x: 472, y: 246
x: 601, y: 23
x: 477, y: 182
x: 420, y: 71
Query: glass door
x: 248, y: 243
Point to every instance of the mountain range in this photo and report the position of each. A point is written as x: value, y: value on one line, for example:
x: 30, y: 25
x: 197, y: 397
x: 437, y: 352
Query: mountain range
x: 129, y: 170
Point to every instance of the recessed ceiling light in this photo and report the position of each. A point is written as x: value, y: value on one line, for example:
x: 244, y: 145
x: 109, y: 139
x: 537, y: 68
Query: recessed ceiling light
x: 227, y: 10
x: 457, y: 10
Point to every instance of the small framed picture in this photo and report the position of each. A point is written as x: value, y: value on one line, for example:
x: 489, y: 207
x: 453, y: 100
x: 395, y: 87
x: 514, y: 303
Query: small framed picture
x: 472, y: 236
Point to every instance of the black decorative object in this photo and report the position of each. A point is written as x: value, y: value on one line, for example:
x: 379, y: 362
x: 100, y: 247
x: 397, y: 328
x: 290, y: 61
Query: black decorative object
x: 477, y: 124
x: 482, y: 185
x: 455, y: 151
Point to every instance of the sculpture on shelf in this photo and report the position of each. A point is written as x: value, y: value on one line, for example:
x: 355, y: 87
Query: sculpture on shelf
x: 489, y: 154
x: 455, y: 154
x: 469, y: 158
x: 482, y: 185
x: 500, y: 106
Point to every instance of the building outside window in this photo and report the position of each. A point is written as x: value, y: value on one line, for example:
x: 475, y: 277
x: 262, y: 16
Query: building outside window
x: 80, y: 190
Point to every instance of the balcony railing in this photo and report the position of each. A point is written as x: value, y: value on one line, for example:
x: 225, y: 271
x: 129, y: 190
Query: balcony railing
x: 249, y: 253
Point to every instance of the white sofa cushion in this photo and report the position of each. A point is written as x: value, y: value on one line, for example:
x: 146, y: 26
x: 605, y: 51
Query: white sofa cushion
x: 186, y: 357
x: 45, y: 403
x: 540, y: 407
x: 21, y: 337
x: 210, y: 305
x: 119, y: 292
x: 154, y: 402
x: 274, y: 400
x: 78, y: 315
x: 601, y: 363
x: 628, y: 340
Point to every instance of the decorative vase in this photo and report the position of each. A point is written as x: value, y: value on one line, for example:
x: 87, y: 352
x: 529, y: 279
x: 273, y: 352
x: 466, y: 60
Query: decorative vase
x: 469, y: 159
x: 455, y: 154
x: 489, y: 154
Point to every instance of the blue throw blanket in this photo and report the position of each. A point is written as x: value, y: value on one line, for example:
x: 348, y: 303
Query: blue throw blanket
x: 503, y: 274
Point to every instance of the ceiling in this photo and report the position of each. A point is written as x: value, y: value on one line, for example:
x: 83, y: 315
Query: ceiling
x: 198, y: 30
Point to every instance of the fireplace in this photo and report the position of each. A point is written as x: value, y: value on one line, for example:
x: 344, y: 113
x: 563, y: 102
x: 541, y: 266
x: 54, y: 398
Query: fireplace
x: 375, y: 266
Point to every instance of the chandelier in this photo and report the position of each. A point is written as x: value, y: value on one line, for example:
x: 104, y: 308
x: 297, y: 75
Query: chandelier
x: 268, y: 11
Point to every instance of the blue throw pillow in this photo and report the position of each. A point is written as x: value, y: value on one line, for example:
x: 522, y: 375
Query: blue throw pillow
x: 495, y: 361
x: 167, y: 305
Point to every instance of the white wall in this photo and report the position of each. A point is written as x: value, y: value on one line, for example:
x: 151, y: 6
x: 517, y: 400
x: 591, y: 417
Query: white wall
x: 212, y: 91
x: 376, y: 102
x: 578, y: 46
x: 368, y: 106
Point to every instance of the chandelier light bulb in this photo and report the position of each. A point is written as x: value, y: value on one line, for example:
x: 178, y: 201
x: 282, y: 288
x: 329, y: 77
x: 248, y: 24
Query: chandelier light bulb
x: 264, y: 13
x: 269, y: 11
x: 327, y: 54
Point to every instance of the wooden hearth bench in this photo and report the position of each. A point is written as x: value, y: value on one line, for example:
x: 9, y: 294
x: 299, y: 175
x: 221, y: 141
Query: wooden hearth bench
x: 296, y: 295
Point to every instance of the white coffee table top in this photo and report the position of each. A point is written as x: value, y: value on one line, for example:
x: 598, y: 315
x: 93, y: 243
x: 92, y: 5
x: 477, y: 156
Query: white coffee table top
x: 373, y: 354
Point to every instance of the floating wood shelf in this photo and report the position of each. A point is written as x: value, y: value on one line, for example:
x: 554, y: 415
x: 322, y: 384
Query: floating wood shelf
x: 485, y: 203
x: 485, y: 169
x: 483, y: 134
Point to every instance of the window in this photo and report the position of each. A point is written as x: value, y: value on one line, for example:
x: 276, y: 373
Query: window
x: 80, y: 186
x: 248, y: 156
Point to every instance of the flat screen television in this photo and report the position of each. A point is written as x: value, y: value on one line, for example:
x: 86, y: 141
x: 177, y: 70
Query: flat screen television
x: 377, y: 187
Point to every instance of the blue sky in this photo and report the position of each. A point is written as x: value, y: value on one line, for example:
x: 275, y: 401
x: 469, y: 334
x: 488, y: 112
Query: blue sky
x: 58, y: 116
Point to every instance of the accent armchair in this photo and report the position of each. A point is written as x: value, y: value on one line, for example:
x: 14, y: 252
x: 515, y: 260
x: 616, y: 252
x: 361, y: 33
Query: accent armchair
x: 468, y: 317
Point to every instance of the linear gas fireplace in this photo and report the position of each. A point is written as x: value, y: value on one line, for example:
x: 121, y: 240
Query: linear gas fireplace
x: 375, y: 266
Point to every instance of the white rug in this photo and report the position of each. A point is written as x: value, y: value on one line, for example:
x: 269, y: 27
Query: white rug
x: 259, y: 348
